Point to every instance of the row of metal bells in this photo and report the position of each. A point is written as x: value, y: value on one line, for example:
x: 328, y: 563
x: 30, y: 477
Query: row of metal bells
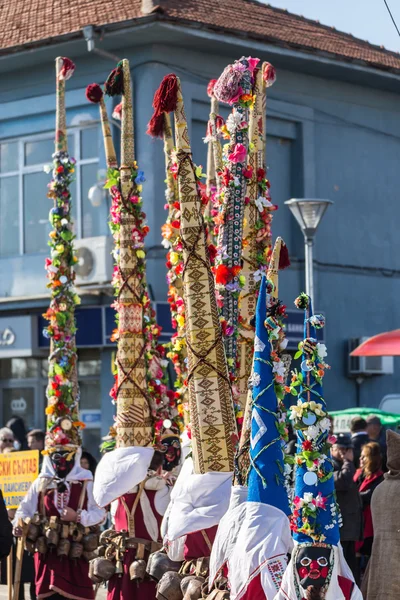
x: 159, y: 563
x: 174, y: 586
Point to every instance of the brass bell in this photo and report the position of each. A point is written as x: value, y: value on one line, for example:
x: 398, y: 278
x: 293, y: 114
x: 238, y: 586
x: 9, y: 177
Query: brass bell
x: 119, y: 568
x: 169, y: 587
x: 191, y: 587
x: 92, y: 575
x: 30, y: 546
x: 90, y: 542
x: 159, y: 563
x: 77, y: 535
x: 33, y: 532
x: 41, y: 545
x: 101, y: 569
x: 76, y: 551
x: 137, y: 570
x: 52, y: 538
x: 63, y: 547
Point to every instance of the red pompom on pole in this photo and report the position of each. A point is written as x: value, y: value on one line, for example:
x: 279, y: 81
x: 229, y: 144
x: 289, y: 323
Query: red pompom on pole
x: 210, y: 87
x: 67, y: 69
x: 117, y: 112
x: 164, y: 101
x: 284, y: 260
x: 94, y: 93
x: 269, y: 75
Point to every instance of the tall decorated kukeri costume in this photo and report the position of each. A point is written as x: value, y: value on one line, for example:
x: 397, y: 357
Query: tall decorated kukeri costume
x: 252, y: 544
x: 147, y: 424
x: 59, y: 514
x: 256, y: 253
x: 201, y: 495
x: 317, y: 569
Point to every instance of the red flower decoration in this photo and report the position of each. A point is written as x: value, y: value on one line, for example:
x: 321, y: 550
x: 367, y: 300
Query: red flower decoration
x: 222, y: 275
x: 307, y: 445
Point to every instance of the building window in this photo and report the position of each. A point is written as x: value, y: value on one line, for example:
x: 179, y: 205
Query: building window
x: 24, y: 206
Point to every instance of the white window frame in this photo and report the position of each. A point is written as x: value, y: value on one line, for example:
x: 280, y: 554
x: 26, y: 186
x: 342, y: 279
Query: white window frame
x: 24, y: 170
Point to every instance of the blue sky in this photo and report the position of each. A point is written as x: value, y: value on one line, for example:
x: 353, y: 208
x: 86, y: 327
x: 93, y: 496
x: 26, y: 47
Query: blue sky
x: 366, y: 19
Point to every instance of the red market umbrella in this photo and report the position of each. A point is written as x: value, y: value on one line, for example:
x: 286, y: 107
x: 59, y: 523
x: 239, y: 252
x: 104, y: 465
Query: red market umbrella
x: 383, y: 344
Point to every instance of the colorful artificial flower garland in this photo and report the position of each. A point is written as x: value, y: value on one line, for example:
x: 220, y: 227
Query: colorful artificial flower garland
x: 63, y: 425
x: 162, y: 400
x: 310, y: 419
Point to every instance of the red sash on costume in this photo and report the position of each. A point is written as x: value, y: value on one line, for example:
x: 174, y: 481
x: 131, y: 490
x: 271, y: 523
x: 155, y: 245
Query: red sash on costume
x: 196, y: 545
x: 122, y: 588
x: 60, y: 575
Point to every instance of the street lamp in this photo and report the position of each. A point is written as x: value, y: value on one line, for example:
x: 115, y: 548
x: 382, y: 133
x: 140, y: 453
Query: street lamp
x: 308, y: 212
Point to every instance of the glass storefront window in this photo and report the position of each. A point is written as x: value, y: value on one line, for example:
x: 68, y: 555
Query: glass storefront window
x: 36, y: 213
x: 9, y: 216
x: 90, y: 394
x: 94, y: 218
x: 8, y: 157
x: 89, y: 142
x: 38, y: 152
x: 23, y: 383
x: 21, y: 174
x: 19, y: 368
x: 88, y: 367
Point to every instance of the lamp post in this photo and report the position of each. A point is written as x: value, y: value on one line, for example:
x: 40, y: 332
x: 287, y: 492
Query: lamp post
x: 308, y: 212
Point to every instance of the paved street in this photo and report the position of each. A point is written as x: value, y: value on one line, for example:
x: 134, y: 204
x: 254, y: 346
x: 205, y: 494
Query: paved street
x: 101, y: 594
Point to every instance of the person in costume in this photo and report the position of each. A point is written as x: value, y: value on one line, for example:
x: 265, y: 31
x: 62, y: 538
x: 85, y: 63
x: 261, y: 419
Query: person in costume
x: 382, y: 577
x: 317, y: 569
x: 201, y: 494
x: 147, y: 424
x: 251, y: 547
x: 58, y: 517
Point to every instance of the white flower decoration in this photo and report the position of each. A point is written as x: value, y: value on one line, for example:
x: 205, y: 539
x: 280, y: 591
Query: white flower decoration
x: 325, y: 424
x: 279, y: 368
x: 262, y: 203
x: 255, y: 379
x: 308, y: 497
x: 234, y: 121
x: 312, y: 432
x: 321, y: 350
x: 257, y: 275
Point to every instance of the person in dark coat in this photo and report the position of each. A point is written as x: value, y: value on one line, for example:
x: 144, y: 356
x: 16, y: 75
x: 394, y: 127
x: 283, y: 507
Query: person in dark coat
x: 5, y: 530
x: 359, y: 437
x: 348, y: 499
x: 17, y: 426
x: 377, y: 433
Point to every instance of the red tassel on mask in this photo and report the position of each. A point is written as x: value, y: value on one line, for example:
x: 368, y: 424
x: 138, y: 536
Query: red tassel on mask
x: 284, y: 260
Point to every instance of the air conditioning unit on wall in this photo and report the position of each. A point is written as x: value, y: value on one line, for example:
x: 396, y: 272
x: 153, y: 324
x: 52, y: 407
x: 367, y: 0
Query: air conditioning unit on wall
x: 95, y: 263
x: 367, y: 365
